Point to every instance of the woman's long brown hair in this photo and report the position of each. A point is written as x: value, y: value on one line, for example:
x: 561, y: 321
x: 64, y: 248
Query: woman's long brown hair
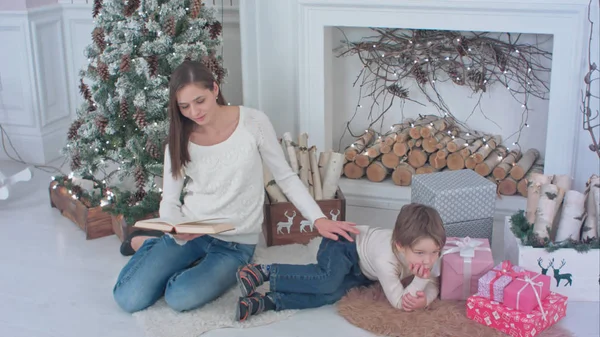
x: 180, y: 128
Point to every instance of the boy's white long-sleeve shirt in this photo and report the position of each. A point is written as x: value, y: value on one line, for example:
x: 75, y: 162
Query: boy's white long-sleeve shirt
x: 379, y: 262
x: 226, y: 180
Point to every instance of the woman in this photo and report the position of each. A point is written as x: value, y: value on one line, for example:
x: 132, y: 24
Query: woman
x: 221, y: 149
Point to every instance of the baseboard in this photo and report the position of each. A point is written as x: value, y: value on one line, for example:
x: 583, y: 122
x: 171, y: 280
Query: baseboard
x: 34, y: 148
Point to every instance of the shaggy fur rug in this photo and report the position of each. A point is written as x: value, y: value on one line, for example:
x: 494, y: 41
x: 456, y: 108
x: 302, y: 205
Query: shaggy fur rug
x: 161, y: 321
x: 368, y: 309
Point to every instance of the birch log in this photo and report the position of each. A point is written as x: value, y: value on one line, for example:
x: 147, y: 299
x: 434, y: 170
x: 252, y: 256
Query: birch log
x: 304, y: 166
x: 544, y: 214
x: 571, y: 218
x: 359, y: 145
x: 291, y: 151
x: 534, y: 185
x: 523, y: 184
x: 332, y: 175
x: 323, y: 160
x: 316, y: 176
x: 590, y: 224
x: 273, y: 190
x: 563, y: 182
x: 520, y: 169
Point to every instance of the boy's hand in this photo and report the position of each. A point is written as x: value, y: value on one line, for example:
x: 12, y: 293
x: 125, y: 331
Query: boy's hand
x: 419, y: 270
x: 410, y: 303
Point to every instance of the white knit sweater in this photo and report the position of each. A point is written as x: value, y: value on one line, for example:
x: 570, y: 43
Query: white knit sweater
x: 226, y: 180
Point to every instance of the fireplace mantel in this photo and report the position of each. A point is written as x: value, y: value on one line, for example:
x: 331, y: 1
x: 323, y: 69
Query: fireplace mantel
x: 287, y: 54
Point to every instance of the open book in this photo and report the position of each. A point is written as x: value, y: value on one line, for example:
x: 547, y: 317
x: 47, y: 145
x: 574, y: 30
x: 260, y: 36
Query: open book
x: 206, y: 226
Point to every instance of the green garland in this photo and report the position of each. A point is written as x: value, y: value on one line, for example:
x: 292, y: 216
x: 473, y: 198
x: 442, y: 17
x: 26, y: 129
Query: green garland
x: 523, y: 230
x: 89, y: 199
x: 147, y: 207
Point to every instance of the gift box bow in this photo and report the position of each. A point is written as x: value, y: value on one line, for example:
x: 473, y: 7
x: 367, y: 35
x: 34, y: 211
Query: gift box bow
x: 506, y: 269
x: 466, y: 248
x: 529, y: 281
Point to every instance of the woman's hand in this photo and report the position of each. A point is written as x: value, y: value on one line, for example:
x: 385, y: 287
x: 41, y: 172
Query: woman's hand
x: 186, y: 237
x: 419, y: 270
x: 410, y: 303
x: 331, y: 229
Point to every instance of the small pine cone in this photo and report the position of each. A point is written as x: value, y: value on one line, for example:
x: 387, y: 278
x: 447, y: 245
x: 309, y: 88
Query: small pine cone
x: 75, y: 161
x: 196, y: 7
x: 138, y: 196
x: 84, y: 90
x: 419, y: 74
x: 97, y: 8
x: 170, y: 26
x: 456, y: 78
x: 152, y: 150
x: 187, y: 58
x: 130, y: 7
x: 76, y: 189
x: 124, y: 108
x: 213, y: 65
x: 125, y: 63
x: 98, y: 37
x: 140, y: 118
x: 73, y: 129
x: 215, y: 30
x: 103, y: 71
x: 501, y: 59
x: 101, y: 123
x: 153, y: 65
x: 91, y: 106
x: 398, y: 91
x: 140, y: 177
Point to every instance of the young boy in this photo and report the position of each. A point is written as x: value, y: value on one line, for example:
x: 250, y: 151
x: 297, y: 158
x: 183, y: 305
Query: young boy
x: 384, y: 255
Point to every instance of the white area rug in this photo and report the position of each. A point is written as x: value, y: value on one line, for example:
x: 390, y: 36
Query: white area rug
x: 161, y: 321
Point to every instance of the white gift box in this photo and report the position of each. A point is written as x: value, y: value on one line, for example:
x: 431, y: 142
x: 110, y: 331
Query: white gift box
x: 574, y: 274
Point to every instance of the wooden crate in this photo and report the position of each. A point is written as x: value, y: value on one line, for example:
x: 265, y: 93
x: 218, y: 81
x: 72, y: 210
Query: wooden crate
x: 283, y: 224
x: 122, y: 229
x: 94, y: 221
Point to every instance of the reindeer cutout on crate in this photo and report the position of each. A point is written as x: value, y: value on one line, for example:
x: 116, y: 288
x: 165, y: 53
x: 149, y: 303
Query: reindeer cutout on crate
x: 305, y: 223
x: 286, y: 224
x: 558, y: 276
x: 334, y: 216
x: 544, y: 270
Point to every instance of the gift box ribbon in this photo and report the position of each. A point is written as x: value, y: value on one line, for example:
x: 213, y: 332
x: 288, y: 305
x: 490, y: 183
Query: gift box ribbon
x: 506, y: 269
x: 529, y: 281
x: 466, y: 247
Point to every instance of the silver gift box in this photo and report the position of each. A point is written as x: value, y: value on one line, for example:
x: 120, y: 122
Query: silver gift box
x: 458, y: 196
x: 480, y: 229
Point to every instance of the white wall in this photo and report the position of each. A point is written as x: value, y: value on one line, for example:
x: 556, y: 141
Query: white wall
x: 39, y: 71
x: 271, y: 76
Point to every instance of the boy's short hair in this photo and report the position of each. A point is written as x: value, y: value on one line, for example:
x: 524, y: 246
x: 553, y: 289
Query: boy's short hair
x: 416, y: 222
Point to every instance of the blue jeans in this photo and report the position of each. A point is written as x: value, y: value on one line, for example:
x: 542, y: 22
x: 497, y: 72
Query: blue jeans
x: 163, y: 267
x: 315, y: 285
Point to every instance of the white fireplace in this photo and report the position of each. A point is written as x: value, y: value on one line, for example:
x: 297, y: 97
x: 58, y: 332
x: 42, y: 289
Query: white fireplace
x: 304, y: 95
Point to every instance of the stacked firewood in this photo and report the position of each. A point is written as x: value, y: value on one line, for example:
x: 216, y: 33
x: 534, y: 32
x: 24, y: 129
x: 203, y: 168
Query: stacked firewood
x: 320, y: 176
x: 559, y: 213
x: 429, y: 144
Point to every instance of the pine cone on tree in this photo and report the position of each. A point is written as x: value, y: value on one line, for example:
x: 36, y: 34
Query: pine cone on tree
x: 419, y: 74
x: 130, y: 7
x: 97, y: 8
x: 75, y: 161
x: 153, y: 65
x: 137, y: 197
x: 84, y: 90
x: 456, y: 78
x: 152, y: 150
x: 103, y: 71
x: 91, y: 106
x: 213, y: 65
x: 140, y: 177
x: 101, y: 123
x: 170, y: 26
x: 124, y: 108
x: 125, y: 63
x: 215, y: 30
x: 140, y: 118
x: 196, y: 7
x: 98, y: 37
x: 74, y: 128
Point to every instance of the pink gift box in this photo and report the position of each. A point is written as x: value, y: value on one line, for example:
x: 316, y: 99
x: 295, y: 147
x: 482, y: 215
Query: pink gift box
x: 525, y: 293
x: 464, y: 261
x: 514, y: 322
x: 492, y: 284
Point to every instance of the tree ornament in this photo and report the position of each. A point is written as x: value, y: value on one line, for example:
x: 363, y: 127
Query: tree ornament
x: 140, y: 177
x: 170, y: 26
x: 84, y: 90
x: 75, y: 161
x: 101, y: 124
x: 215, y: 30
x: 74, y: 128
x: 124, y: 109
x: 125, y: 63
x: 131, y: 7
x: 97, y: 8
x: 153, y: 65
x: 103, y: 71
x: 98, y: 37
x: 152, y: 150
x: 140, y: 118
x: 196, y: 7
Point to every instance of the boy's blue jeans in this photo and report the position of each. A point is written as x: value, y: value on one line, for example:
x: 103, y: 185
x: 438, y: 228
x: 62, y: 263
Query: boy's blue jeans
x: 315, y: 285
x: 163, y: 267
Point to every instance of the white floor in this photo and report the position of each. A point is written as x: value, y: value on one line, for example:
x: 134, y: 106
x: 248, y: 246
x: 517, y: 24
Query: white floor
x: 54, y: 283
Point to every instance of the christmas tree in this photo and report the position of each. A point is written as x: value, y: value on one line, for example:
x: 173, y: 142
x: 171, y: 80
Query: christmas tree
x: 122, y: 124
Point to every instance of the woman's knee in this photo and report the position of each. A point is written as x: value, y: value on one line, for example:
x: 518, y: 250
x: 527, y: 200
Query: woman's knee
x: 132, y: 299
